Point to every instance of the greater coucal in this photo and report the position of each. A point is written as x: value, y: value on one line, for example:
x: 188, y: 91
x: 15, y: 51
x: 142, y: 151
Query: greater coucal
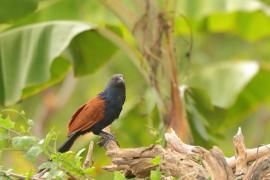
x: 98, y: 112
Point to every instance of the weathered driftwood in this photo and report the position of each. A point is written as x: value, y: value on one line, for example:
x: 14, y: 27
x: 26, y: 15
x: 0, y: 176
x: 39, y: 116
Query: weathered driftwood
x: 191, y: 162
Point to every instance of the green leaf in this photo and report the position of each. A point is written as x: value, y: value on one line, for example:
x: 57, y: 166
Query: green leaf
x: 4, y: 136
x: 13, y: 9
x: 23, y: 142
x: 205, y: 119
x: 118, y: 176
x: 33, y: 152
x: 45, y: 165
x: 227, y: 77
x: 30, y: 122
x: 29, y: 174
x: 70, y: 162
x: 267, y: 2
x: 38, y: 64
x: 79, y: 153
x: 156, y: 160
x: 248, y: 25
x: 90, y: 170
x: 50, y: 137
x: 6, y: 122
x: 251, y: 98
x: 89, y: 51
x: 58, y: 70
x: 36, y: 47
x: 198, y: 9
x: 155, y: 175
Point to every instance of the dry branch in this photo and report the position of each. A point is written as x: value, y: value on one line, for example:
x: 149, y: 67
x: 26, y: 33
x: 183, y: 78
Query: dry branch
x: 185, y: 161
x: 182, y: 161
x: 260, y: 169
x: 252, y: 154
x: 88, y: 160
x: 240, y: 154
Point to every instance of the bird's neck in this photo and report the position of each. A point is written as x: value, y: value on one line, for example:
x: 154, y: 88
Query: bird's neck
x: 112, y: 95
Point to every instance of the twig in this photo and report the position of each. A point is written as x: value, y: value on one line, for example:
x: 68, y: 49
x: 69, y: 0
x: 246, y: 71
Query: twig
x: 252, y: 154
x: 121, y: 11
x: 240, y: 153
x: 144, y: 152
x: 174, y: 142
x: 88, y: 160
x: 14, y: 175
x: 11, y: 130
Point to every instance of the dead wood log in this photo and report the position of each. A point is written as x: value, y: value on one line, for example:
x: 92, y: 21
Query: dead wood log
x: 185, y: 161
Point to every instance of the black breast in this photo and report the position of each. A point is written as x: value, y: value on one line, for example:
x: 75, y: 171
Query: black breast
x: 113, y: 108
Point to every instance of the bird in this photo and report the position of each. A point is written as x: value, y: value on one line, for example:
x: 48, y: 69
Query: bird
x: 97, y: 113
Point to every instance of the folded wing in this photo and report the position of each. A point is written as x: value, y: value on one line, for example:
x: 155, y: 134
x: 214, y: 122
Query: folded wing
x: 87, y: 115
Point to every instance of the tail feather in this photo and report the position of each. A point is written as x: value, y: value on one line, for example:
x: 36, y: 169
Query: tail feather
x: 69, y: 142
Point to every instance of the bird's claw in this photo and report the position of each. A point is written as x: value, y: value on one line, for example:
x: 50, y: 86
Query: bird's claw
x: 104, y: 140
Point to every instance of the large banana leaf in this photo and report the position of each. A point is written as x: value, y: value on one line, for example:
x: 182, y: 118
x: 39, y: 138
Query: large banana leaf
x: 27, y: 53
x: 247, y: 25
x: 13, y: 9
x: 240, y: 93
x: 226, y: 78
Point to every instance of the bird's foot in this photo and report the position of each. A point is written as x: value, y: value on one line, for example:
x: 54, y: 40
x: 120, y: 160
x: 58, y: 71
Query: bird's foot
x: 105, y: 138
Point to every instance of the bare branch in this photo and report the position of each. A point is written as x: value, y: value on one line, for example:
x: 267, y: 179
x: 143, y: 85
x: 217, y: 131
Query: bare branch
x: 240, y: 153
x: 252, y: 154
x: 88, y: 160
x: 14, y: 175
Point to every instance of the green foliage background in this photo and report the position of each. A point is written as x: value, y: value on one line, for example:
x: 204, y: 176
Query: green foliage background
x: 224, y: 77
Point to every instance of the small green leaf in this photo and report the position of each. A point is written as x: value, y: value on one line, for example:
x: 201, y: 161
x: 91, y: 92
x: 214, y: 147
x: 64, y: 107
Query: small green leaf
x: 22, y: 112
x: 156, y: 160
x: 118, y: 176
x: 69, y: 162
x: 3, y: 134
x: 89, y: 170
x: 50, y: 137
x: 45, y: 165
x: 3, y: 138
x: 33, y: 152
x: 23, y: 142
x: 155, y: 175
x: 30, y: 122
x: 6, y: 122
x: 80, y: 152
x: 29, y: 174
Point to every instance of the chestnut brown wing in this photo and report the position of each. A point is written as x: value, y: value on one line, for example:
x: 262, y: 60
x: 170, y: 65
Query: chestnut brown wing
x: 87, y: 115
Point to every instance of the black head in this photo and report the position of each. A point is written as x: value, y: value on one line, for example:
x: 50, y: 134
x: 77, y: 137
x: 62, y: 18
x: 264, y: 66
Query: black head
x: 117, y: 81
x: 115, y: 89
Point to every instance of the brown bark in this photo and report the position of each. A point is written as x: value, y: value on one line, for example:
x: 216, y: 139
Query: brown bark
x: 185, y: 161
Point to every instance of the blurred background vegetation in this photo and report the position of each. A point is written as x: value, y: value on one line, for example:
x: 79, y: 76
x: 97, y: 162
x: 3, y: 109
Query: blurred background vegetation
x: 222, y: 51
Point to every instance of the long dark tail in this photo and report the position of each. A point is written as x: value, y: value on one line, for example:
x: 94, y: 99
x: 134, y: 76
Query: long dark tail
x: 69, y: 142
